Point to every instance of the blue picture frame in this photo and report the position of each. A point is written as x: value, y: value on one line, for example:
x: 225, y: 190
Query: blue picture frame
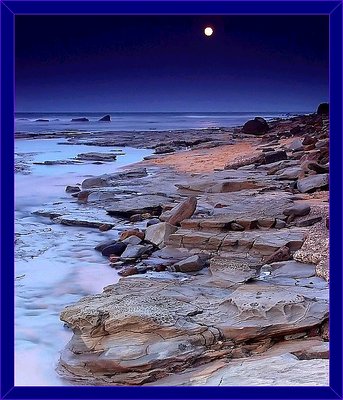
x: 8, y: 10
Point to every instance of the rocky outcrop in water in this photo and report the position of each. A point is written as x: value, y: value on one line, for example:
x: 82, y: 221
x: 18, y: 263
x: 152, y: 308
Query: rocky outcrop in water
x: 256, y: 126
x: 81, y: 119
x: 105, y: 118
x: 323, y: 108
x: 97, y: 156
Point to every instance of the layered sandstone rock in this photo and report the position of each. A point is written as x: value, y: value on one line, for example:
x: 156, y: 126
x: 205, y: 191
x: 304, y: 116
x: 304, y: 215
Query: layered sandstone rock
x: 143, y: 329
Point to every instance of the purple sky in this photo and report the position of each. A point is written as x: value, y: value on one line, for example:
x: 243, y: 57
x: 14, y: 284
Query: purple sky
x: 166, y: 63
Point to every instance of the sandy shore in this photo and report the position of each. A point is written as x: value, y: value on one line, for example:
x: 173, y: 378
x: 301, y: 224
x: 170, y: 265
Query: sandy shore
x: 206, y: 160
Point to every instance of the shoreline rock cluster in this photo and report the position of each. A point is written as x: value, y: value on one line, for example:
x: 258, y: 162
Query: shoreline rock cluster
x: 224, y: 272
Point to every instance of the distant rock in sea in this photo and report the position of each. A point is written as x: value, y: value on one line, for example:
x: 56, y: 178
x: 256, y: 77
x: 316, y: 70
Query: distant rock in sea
x: 105, y: 118
x: 82, y: 119
x: 42, y: 120
x: 256, y: 126
x: 323, y: 108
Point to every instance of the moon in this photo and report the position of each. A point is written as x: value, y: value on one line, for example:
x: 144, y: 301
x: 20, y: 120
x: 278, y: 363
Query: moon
x: 208, y: 31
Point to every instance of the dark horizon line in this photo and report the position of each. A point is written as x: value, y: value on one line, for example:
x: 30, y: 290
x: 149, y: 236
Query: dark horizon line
x: 162, y: 112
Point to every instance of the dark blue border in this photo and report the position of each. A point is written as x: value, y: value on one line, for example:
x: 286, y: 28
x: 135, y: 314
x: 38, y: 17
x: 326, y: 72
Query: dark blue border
x: 336, y: 154
x: 7, y: 199
x: 8, y: 10
x: 171, y: 7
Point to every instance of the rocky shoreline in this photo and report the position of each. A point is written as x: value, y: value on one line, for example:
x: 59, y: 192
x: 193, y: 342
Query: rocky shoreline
x: 223, y: 249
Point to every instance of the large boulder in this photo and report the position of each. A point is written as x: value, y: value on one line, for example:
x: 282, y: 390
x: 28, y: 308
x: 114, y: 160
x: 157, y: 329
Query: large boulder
x: 273, y: 156
x: 298, y: 209
x: 319, y: 169
x: 158, y: 234
x: 256, y: 126
x: 323, y: 108
x: 134, y: 251
x: 105, y: 118
x: 116, y: 249
x: 296, y: 145
x: 94, y: 183
x: 191, y: 264
x: 183, y: 210
x: 290, y: 173
x: 313, y: 182
x: 100, y: 247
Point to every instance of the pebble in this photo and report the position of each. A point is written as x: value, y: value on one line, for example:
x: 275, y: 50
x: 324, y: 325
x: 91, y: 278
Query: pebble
x: 105, y: 227
x: 73, y: 189
x: 236, y: 227
x: 279, y: 224
x: 153, y: 221
x: 132, y: 232
x: 136, y: 218
x: 309, y: 140
x: 132, y: 240
x: 117, y: 265
x: 128, y: 271
x: 146, y: 215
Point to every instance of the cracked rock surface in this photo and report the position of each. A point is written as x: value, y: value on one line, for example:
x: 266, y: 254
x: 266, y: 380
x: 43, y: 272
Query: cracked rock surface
x: 143, y: 329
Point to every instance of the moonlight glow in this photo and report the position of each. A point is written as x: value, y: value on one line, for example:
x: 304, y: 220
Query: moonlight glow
x: 208, y: 31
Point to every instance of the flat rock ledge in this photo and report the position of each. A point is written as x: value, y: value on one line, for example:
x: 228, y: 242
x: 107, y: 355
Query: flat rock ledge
x: 145, y: 328
x: 282, y: 370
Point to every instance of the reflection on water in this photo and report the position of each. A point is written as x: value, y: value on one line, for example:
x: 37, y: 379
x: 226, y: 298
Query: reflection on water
x: 55, y: 265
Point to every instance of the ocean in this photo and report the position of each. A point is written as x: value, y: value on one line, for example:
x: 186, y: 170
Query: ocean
x: 137, y: 121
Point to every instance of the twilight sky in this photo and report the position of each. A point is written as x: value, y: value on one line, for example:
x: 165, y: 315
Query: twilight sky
x: 166, y: 63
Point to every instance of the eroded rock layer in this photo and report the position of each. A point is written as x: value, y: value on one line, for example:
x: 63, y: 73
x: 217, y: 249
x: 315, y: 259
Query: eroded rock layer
x: 143, y: 329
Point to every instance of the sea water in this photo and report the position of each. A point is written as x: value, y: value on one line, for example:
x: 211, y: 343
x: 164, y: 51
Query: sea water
x: 121, y: 121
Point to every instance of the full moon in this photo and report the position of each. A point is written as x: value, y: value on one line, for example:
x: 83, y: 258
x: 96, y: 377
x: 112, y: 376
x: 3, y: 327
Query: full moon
x: 208, y: 31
